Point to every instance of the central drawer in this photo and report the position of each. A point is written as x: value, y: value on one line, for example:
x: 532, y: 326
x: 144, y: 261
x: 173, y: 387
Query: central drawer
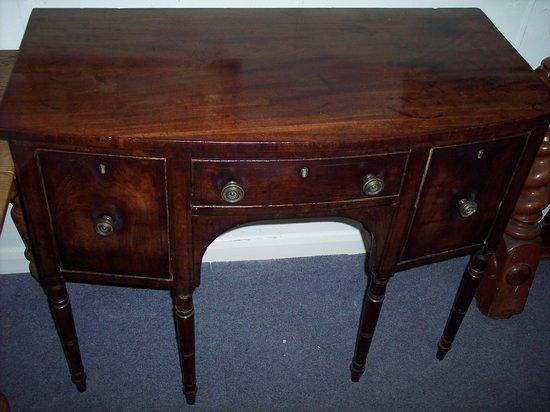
x: 279, y: 182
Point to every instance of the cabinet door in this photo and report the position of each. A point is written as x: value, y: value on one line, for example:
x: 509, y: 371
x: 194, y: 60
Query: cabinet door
x: 108, y: 213
x: 478, y: 173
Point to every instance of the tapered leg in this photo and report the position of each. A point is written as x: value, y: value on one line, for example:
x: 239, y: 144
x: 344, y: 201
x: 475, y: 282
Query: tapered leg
x: 60, y: 308
x: 185, y: 330
x: 372, y: 304
x: 466, y: 291
x: 58, y: 299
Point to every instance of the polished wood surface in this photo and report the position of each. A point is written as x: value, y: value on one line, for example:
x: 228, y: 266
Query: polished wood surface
x: 131, y: 190
x: 264, y: 75
x: 511, y: 270
x: 455, y: 173
x: 134, y: 120
x: 325, y: 180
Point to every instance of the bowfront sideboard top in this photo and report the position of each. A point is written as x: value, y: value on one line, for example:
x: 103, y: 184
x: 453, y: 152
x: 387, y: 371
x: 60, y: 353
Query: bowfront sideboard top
x: 139, y: 136
x: 312, y: 76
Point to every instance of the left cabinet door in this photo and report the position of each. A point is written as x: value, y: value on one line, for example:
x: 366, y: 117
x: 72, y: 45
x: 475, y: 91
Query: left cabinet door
x: 108, y: 213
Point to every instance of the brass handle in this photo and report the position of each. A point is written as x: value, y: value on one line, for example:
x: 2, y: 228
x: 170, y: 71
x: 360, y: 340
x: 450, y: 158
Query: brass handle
x: 232, y: 192
x: 467, y: 207
x: 104, y: 226
x: 372, y: 185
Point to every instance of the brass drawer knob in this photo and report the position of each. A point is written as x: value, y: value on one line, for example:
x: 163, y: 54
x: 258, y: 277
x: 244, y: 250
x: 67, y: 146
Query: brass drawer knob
x: 232, y: 192
x: 372, y: 185
x: 104, y: 226
x: 467, y: 207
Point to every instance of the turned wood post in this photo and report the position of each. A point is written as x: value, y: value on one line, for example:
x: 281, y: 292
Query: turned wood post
x: 62, y: 314
x: 58, y: 300
x: 184, y: 315
x: 511, y: 270
x: 470, y: 281
x: 372, y: 305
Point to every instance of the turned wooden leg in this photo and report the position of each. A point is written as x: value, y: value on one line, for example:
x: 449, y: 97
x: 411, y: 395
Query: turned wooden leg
x: 466, y: 291
x: 372, y: 304
x: 60, y: 308
x: 58, y: 301
x: 185, y: 330
x: 504, y: 291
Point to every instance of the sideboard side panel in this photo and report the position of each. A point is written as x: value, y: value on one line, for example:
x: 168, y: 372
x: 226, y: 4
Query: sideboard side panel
x: 36, y: 213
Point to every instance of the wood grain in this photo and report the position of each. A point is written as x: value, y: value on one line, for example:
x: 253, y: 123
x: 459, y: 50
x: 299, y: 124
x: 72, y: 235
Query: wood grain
x: 461, y: 172
x: 265, y: 75
x: 131, y: 191
x: 280, y: 182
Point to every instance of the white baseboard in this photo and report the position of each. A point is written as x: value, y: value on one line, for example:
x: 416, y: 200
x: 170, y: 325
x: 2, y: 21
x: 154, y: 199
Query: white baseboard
x: 12, y: 260
x: 285, y: 245
x: 237, y: 246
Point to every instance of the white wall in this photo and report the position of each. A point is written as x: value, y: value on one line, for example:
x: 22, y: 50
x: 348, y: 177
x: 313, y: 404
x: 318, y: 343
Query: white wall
x: 525, y: 23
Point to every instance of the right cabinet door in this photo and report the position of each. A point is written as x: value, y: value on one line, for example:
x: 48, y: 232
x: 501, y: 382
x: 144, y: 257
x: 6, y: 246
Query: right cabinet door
x: 461, y: 194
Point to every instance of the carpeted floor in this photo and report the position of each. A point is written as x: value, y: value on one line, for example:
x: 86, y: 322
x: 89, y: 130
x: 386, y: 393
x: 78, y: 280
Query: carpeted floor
x: 277, y: 335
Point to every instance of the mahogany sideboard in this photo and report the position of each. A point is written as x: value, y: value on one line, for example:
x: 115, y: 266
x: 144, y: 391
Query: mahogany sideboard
x: 139, y: 136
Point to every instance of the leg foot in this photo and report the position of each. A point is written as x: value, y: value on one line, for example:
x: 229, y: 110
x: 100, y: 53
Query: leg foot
x: 372, y: 304
x: 79, y: 381
x: 190, y: 398
x: 184, y: 315
x: 356, y: 372
x: 81, y: 386
x: 466, y: 291
x: 442, y: 349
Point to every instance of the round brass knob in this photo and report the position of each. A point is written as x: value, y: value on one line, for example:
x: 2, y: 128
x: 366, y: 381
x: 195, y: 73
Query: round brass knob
x: 467, y: 207
x: 372, y: 185
x: 232, y: 192
x: 104, y: 226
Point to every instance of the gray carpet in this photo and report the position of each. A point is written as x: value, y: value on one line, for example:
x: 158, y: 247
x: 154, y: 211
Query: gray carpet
x: 277, y: 335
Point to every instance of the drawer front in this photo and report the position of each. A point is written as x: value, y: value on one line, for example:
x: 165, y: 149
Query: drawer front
x: 108, y: 213
x: 278, y: 182
x: 478, y: 172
